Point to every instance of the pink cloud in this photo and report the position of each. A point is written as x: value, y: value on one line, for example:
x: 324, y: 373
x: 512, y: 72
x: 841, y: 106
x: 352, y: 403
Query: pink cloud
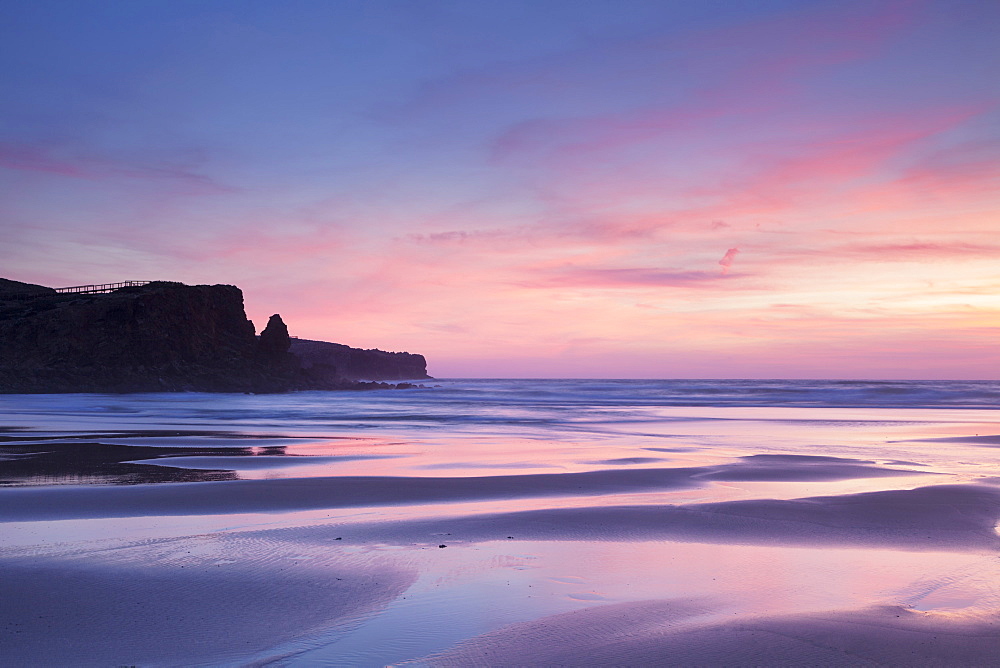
x: 727, y: 260
x: 611, y: 177
x: 625, y: 278
x: 845, y: 172
x: 271, y: 243
x: 60, y: 161
x: 957, y: 175
x: 772, y: 55
x: 464, y: 237
x: 800, y: 178
x: 886, y: 251
x: 37, y: 159
x: 906, y: 251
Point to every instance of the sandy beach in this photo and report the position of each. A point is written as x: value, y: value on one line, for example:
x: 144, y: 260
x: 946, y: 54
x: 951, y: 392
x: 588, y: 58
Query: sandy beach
x: 514, y: 333
x: 628, y: 535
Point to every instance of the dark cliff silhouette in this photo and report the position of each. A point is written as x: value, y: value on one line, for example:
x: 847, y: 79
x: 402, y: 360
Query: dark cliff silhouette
x: 157, y: 337
x: 274, y: 340
x: 359, y: 364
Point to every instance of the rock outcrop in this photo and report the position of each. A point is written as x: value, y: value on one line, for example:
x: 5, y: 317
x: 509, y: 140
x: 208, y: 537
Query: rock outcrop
x: 159, y: 337
x: 274, y: 340
x: 357, y: 364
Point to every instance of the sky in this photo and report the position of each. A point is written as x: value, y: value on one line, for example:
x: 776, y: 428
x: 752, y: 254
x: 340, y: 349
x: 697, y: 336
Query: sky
x: 542, y: 188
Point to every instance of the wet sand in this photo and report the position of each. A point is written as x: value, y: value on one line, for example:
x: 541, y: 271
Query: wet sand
x: 169, y: 604
x: 658, y: 633
x: 247, y: 496
x: 719, y: 552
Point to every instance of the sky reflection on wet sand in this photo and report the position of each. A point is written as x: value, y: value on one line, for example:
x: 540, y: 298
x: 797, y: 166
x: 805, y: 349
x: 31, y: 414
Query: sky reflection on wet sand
x: 530, y: 555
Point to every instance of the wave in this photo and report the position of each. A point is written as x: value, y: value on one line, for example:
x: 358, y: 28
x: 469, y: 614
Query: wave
x: 806, y: 393
x: 470, y: 406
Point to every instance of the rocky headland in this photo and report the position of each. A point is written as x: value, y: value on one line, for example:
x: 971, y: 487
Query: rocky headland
x: 168, y: 337
x: 357, y: 364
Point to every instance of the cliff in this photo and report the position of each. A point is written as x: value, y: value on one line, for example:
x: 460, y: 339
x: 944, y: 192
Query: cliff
x: 16, y: 288
x: 154, y: 338
x: 358, y: 364
x: 159, y: 337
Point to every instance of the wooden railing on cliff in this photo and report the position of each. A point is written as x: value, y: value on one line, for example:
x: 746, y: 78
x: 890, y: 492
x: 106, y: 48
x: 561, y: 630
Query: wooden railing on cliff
x: 100, y: 287
x: 96, y: 289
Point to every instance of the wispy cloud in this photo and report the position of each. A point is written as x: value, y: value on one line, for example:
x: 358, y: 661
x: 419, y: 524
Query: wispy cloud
x: 917, y: 250
x: 627, y: 278
x: 78, y: 163
x: 736, y: 71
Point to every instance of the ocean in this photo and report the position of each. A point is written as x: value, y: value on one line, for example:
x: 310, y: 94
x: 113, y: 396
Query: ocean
x: 504, y: 522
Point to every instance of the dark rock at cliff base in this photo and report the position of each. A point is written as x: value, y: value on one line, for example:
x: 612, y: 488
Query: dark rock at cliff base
x: 321, y: 358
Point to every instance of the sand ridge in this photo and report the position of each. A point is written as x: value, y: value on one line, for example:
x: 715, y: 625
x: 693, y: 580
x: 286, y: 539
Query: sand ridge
x: 244, y: 496
x: 940, y: 517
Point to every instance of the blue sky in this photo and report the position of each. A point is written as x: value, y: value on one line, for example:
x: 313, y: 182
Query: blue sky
x: 528, y: 188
